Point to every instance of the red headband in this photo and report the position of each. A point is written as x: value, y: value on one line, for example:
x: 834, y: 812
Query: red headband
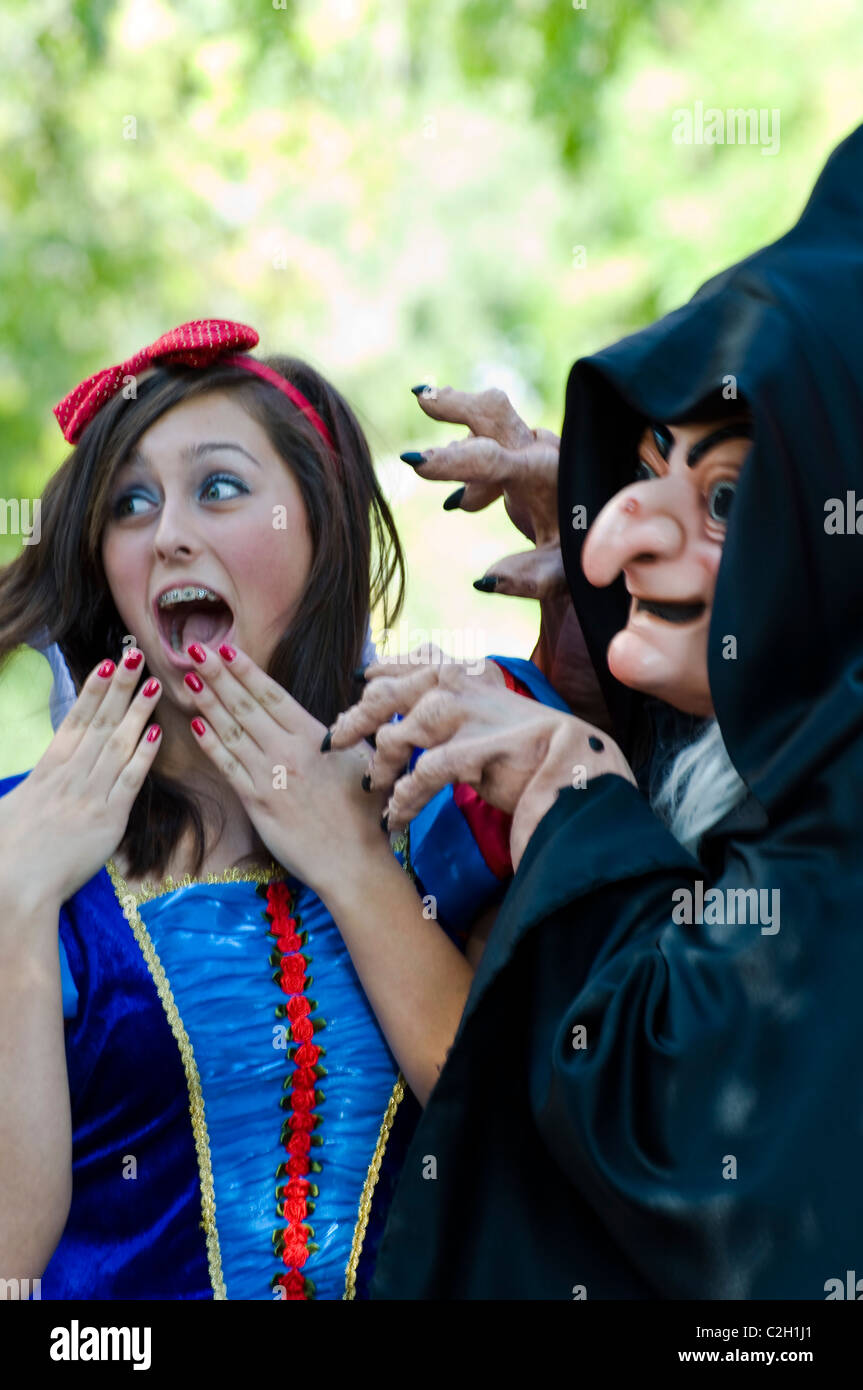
x: 197, y: 344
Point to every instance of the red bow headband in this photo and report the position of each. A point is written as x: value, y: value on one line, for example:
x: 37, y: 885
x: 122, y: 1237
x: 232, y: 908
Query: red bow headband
x: 196, y: 344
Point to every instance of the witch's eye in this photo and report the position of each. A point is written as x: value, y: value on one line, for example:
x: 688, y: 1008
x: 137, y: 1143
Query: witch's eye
x: 643, y: 471
x: 719, y: 499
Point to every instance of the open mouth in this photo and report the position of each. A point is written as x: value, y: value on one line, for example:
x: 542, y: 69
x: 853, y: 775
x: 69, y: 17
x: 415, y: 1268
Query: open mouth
x: 670, y: 612
x: 192, y: 613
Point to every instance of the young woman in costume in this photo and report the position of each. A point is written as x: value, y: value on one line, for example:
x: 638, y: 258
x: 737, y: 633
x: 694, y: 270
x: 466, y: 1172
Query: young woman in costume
x: 197, y: 1093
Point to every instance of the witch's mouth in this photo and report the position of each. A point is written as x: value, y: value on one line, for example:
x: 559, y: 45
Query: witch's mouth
x: 192, y: 614
x: 670, y: 612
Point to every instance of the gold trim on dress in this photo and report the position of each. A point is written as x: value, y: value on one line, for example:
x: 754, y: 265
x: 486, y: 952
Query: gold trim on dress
x: 150, y: 890
x: 129, y: 903
x: 401, y: 845
x: 369, y: 1186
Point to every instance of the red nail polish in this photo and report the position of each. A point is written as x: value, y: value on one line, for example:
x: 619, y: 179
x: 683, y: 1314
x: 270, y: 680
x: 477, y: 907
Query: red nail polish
x: 153, y: 734
x: 106, y: 669
x: 197, y: 653
x: 200, y: 727
x: 133, y: 659
x: 193, y: 682
x: 227, y: 652
x: 151, y: 688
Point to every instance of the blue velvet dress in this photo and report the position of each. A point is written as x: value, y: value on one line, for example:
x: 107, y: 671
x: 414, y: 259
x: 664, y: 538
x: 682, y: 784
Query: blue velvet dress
x: 238, y: 1118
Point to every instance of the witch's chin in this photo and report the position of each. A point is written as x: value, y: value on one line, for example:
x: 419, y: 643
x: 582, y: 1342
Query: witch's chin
x: 638, y: 664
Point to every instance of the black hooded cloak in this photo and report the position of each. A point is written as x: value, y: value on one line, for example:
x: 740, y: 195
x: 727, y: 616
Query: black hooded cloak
x: 707, y: 1141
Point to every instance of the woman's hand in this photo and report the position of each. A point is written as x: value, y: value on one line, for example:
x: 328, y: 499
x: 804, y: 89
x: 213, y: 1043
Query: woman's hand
x: 60, y: 825
x: 310, y: 810
x: 503, y: 457
x: 515, y: 752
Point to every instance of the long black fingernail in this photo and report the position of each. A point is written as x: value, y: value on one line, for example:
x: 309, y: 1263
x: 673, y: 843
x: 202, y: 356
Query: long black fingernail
x: 385, y: 822
x: 366, y: 783
x: 486, y: 585
x: 453, y: 500
x: 596, y: 743
x: 418, y: 390
x: 413, y: 458
x: 358, y: 674
x: 327, y: 740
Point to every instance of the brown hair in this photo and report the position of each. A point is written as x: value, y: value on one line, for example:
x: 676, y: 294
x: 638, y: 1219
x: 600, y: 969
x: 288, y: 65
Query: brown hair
x: 60, y: 585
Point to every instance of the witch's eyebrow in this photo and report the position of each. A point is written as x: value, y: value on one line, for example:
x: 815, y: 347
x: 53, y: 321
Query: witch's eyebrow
x: 741, y: 429
x: 192, y: 452
x: 663, y: 439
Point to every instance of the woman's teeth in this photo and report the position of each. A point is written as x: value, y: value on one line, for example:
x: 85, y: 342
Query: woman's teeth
x: 199, y: 614
x: 186, y: 595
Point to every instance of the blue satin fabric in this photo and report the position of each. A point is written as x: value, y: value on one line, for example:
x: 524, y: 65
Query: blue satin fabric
x: 127, y: 1237
x: 214, y: 942
x: 140, y: 1237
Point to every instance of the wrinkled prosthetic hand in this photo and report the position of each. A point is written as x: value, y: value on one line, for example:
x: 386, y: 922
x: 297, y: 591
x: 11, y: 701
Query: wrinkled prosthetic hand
x: 515, y: 752
x: 503, y: 457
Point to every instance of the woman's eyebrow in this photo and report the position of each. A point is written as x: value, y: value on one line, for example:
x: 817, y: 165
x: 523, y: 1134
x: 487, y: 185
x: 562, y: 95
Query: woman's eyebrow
x: 741, y: 429
x: 192, y: 452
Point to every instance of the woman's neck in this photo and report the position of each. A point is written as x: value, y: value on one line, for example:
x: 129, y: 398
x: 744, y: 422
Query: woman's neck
x: 229, y: 837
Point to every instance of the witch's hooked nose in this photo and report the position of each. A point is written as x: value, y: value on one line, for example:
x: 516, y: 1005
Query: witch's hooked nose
x: 624, y: 531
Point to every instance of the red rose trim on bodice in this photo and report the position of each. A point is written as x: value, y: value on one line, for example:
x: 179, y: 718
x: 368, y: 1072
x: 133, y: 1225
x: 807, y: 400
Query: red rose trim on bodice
x: 293, y: 1243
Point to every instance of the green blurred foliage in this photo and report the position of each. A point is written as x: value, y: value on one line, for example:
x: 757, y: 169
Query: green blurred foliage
x: 471, y: 192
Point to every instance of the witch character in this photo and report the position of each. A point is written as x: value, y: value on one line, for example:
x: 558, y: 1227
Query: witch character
x: 651, y: 1094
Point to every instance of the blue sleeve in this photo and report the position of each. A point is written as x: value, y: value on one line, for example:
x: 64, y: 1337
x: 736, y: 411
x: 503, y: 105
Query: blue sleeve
x: 540, y: 688
x: 444, y: 854
x: 70, y: 990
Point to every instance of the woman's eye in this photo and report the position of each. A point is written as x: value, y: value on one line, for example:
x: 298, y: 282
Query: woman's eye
x: 719, y: 499
x: 221, y: 479
x: 643, y: 471
x: 123, y: 507
x: 119, y: 507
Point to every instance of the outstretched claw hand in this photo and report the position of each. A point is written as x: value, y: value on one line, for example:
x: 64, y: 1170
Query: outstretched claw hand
x: 503, y: 457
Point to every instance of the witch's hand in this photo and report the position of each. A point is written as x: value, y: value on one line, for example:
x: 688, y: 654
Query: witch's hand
x: 503, y: 457
x: 516, y: 753
x: 62, y: 822
x: 310, y: 810
x: 393, y: 687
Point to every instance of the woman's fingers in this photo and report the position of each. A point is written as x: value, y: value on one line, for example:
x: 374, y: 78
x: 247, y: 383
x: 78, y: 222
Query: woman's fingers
x: 114, y: 734
x: 77, y: 721
x: 537, y: 574
x: 131, y: 777
x: 250, y: 695
x: 104, y: 726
